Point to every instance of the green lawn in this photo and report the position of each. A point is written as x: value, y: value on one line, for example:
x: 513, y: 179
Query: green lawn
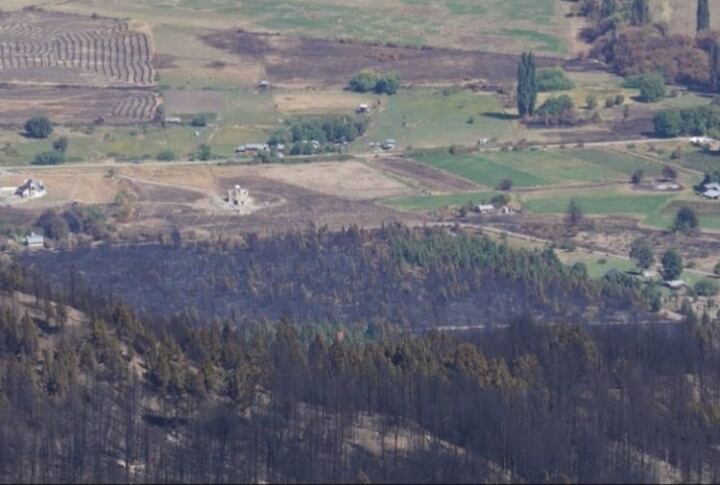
x: 540, y: 168
x: 434, y: 117
x: 599, y: 202
x: 430, y: 202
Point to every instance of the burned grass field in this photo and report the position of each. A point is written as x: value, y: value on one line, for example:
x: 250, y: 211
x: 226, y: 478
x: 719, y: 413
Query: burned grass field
x: 298, y: 60
x: 75, y: 69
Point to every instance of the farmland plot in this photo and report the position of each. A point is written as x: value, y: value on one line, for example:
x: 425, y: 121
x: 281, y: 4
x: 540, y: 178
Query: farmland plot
x: 105, y: 64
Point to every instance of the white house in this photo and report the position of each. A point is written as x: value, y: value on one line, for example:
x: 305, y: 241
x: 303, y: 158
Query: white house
x: 34, y: 240
x: 485, y: 208
x: 701, y: 140
x: 363, y: 108
x: 712, y: 194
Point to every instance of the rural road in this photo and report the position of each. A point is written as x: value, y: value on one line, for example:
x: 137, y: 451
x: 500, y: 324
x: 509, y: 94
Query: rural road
x: 365, y: 155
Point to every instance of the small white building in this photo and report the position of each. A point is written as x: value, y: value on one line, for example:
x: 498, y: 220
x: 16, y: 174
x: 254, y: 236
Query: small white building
x: 676, y: 284
x: 362, y: 108
x: 389, y: 144
x: 173, y: 120
x: 252, y: 148
x: 701, y: 140
x: 712, y: 194
x: 34, y: 241
x: 485, y: 208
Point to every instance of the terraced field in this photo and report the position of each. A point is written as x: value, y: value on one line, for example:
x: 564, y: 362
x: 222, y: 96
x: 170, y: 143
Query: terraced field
x: 97, y: 59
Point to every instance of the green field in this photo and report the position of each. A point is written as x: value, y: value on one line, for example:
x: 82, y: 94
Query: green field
x: 435, y: 117
x: 599, y: 202
x: 431, y: 202
x: 540, y: 168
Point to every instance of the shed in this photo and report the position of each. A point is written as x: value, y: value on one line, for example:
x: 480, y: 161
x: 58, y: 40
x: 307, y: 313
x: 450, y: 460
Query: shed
x: 485, y: 208
x: 34, y: 240
x: 676, y: 284
x: 712, y: 194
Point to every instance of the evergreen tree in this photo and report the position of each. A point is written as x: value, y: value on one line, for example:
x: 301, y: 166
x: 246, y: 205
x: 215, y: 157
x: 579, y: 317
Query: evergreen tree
x: 715, y: 67
x: 672, y: 265
x: 703, y: 15
x: 640, y: 13
x: 527, y: 85
x: 642, y: 254
x: 608, y: 8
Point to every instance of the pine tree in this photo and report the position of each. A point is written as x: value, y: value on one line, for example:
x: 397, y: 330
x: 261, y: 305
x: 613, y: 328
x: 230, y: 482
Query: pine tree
x: 608, y: 9
x: 527, y: 85
x: 640, y: 13
x: 715, y: 67
x: 703, y: 15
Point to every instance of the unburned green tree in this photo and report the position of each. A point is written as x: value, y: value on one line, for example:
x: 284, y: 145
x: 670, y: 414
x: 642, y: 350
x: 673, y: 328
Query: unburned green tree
x: 672, y: 265
x: 642, y: 254
x: 527, y: 88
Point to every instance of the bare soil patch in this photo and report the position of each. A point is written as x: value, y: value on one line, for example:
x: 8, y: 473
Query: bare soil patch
x: 426, y: 176
x: 191, y: 101
x: 296, y: 60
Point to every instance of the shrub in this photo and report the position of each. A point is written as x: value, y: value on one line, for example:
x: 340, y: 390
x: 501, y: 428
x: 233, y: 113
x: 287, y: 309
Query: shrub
x: 553, y: 79
x: 686, y: 221
x: 591, y: 101
x: 52, y: 157
x: 557, y: 111
x: 368, y: 80
x: 652, y: 88
x: 706, y: 287
x: 500, y: 200
x: 60, y: 144
x: 204, y: 152
x: 637, y: 176
x: 198, y: 121
x: 365, y: 81
x: 619, y: 99
x: 166, y: 156
x: 388, y: 84
x: 505, y: 184
x: 38, y: 127
x: 609, y: 102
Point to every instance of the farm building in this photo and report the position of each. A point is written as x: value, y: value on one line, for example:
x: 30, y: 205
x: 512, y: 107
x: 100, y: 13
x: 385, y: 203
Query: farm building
x: 701, y: 140
x: 363, y: 108
x: 31, y: 189
x: 252, y: 148
x: 173, y: 120
x: 485, y: 208
x: 712, y: 191
x: 676, y: 284
x: 34, y: 240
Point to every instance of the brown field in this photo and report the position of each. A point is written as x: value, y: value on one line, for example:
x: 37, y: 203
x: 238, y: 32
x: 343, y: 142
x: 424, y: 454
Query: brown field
x: 190, y: 101
x: 313, y: 62
x: 425, y: 176
x: 285, y: 196
x: 75, y: 69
